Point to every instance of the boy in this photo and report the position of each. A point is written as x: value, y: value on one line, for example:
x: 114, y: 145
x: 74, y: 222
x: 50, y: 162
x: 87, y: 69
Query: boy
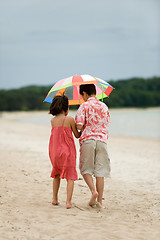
x: 92, y: 119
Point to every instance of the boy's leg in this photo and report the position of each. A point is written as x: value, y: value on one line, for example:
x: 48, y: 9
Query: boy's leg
x: 100, y: 188
x: 102, y: 168
x: 87, y: 158
x: 56, y: 184
x: 89, y: 180
x: 70, y: 186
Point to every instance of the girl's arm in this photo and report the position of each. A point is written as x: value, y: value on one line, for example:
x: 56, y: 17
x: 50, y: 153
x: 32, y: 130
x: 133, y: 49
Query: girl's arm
x: 52, y: 122
x: 74, y: 128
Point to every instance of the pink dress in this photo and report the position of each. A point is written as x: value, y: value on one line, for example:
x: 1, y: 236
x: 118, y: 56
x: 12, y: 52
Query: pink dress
x: 62, y: 152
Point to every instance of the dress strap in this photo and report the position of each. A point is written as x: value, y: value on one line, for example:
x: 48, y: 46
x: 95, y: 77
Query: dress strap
x: 63, y: 121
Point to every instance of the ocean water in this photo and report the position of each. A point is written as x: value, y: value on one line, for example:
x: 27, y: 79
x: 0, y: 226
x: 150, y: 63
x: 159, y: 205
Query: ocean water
x: 125, y: 122
x: 136, y: 122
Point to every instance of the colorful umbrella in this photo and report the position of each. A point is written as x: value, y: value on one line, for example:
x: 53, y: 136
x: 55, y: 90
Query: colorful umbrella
x: 70, y: 86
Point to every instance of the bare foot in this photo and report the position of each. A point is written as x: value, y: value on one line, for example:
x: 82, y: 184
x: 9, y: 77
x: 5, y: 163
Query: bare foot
x: 99, y: 205
x: 55, y: 203
x: 92, y: 201
x: 68, y: 205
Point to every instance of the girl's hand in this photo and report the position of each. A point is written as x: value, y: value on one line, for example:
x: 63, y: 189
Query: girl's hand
x: 79, y: 127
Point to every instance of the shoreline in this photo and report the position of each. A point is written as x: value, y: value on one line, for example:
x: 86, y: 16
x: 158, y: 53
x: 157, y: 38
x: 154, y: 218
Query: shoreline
x: 124, y: 123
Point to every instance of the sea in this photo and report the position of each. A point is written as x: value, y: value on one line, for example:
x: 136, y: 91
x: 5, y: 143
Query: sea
x: 136, y: 122
x: 126, y: 122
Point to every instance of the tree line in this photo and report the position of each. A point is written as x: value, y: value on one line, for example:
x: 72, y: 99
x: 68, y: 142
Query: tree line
x: 135, y: 92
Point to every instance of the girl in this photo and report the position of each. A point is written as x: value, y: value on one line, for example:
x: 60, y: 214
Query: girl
x: 62, y: 149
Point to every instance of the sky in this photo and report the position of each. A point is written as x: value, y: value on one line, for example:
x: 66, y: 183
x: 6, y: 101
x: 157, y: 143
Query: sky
x: 43, y: 41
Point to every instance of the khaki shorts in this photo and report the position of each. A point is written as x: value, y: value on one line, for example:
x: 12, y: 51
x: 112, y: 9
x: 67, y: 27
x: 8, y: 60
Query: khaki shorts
x: 94, y: 158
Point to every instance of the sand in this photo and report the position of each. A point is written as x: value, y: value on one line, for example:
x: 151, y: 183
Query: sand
x: 131, y: 196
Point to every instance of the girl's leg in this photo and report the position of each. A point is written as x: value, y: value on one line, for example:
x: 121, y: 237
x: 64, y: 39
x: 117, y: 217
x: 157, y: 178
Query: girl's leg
x: 100, y: 188
x: 56, y: 184
x: 70, y: 186
x: 89, y: 180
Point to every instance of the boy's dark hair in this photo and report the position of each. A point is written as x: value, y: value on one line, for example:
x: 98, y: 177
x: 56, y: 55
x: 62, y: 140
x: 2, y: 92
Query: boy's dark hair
x: 59, y: 104
x: 90, y: 89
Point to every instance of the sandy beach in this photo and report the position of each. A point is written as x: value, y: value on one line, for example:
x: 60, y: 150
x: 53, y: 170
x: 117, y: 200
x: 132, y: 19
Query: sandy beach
x: 131, y: 196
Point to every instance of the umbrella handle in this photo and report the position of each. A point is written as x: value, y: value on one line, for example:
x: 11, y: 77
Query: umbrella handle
x: 78, y: 95
x: 102, y: 93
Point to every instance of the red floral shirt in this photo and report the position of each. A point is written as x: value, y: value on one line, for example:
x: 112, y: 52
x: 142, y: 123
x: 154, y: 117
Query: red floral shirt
x: 94, y: 116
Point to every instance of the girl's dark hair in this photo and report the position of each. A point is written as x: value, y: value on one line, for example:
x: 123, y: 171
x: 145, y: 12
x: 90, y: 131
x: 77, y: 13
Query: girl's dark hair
x: 90, y: 89
x: 59, y: 104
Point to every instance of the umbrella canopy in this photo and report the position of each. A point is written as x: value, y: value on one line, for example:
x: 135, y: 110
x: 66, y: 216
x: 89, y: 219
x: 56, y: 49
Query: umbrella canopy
x: 70, y: 86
